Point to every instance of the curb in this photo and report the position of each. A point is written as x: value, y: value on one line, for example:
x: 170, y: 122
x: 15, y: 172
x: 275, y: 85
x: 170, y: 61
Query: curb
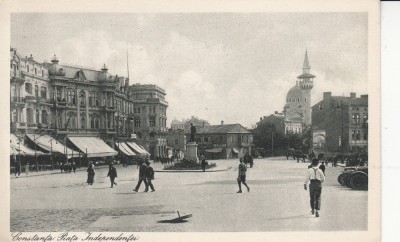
x: 194, y: 170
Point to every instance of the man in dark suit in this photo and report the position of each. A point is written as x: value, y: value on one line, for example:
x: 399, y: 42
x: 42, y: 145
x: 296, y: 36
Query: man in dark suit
x: 142, y: 176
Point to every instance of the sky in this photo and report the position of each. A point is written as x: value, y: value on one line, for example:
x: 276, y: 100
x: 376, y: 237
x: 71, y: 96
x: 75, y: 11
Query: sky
x: 234, y: 67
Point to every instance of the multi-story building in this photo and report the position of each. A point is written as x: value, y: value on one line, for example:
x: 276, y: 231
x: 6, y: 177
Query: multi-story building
x: 225, y: 141
x: 340, y: 124
x: 150, y: 117
x: 65, y: 101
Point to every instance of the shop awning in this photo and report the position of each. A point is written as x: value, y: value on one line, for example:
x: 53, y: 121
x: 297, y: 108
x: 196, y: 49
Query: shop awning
x: 214, y: 150
x: 93, y: 146
x: 235, y: 150
x: 145, y: 151
x: 125, y: 149
x: 137, y: 148
x: 50, y: 144
x: 18, y: 148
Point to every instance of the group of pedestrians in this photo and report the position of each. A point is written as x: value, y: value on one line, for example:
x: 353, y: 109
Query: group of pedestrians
x: 68, y: 167
x: 146, y: 175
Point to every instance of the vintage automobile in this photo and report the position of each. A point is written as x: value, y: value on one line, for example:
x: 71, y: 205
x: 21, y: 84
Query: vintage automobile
x: 354, y: 177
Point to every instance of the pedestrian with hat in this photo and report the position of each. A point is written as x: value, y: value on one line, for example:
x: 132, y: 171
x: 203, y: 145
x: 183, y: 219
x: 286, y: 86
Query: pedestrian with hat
x: 112, y: 173
x: 316, y: 177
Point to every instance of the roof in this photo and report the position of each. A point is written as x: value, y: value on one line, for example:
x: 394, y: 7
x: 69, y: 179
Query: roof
x: 294, y: 92
x: 359, y: 101
x: 221, y: 129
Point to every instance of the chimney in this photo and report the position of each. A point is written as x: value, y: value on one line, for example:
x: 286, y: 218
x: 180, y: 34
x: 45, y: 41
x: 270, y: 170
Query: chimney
x: 203, y: 124
x: 260, y: 118
x: 276, y: 112
x: 222, y: 122
x: 327, y: 95
x: 352, y: 95
x: 364, y: 96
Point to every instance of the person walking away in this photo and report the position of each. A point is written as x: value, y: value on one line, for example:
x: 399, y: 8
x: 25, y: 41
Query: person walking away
x: 91, y: 173
x: 142, y: 176
x: 242, y: 176
x: 149, y: 177
x: 203, y: 163
x: 316, y: 177
x: 251, y: 161
x: 73, y: 166
x: 112, y: 173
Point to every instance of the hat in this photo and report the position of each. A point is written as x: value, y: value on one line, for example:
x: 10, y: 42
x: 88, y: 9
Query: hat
x: 147, y: 162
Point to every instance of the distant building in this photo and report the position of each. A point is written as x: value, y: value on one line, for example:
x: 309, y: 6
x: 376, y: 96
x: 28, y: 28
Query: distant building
x: 177, y: 125
x: 196, y: 122
x: 150, y: 117
x: 298, y: 98
x: 225, y: 141
x: 176, y: 141
x: 340, y: 123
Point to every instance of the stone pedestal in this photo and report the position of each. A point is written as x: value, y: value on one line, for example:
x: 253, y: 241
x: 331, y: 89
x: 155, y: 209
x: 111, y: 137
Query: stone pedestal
x: 191, y: 151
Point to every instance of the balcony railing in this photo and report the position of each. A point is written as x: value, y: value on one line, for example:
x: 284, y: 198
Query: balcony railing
x: 18, y: 99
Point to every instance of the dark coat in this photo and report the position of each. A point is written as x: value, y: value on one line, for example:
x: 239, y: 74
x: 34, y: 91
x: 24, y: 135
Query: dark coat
x: 112, y: 172
x: 143, y: 171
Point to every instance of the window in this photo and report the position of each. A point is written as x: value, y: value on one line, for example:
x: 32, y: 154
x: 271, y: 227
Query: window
x: 97, y: 123
x: 82, y: 98
x: 29, y: 115
x: 134, y: 110
x: 365, y: 118
x: 92, y: 99
x: 42, y: 72
x: 37, y: 116
x: 353, y: 135
x: 43, y: 92
x: 152, y: 121
x: 92, y: 123
x: 36, y: 91
x: 231, y: 139
x: 27, y: 68
x: 35, y: 71
x: 205, y: 139
x: 83, y: 124
x: 14, y: 117
x: 137, y: 122
x: 357, y: 134
x: 320, y: 107
x: 366, y: 135
x: 44, y: 117
x: 28, y: 88
x: 144, y: 109
x: 356, y: 118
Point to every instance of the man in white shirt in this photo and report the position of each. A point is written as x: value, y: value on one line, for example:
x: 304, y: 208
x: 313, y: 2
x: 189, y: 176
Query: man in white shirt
x: 316, y: 177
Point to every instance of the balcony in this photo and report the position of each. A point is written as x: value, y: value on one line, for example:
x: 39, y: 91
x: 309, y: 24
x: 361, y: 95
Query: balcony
x: 18, y: 125
x: 31, y: 98
x: 108, y: 108
x: 18, y: 100
x: 32, y: 126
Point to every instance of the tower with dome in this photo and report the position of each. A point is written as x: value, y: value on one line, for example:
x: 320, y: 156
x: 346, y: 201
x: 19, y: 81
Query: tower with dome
x: 297, y: 110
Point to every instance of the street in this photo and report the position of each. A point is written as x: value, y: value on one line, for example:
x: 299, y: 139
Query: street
x: 276, y: 201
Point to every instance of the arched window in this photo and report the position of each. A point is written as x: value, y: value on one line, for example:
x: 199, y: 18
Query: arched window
x: 83, y: 123
x: 44, y: 117
x: 73, y: 122
x: 37, y: 116
x: 92, y: 122
x: 97, y: 123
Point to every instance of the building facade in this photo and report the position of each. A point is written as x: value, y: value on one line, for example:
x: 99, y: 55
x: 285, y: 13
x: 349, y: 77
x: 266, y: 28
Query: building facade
x: 225, y: 141
x: 150, y: 117
x: 297, y: 110
x: 67, y: 101
x: 340, y: 124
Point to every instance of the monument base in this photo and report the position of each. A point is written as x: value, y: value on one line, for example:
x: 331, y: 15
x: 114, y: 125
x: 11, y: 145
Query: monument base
x: 191, y: 151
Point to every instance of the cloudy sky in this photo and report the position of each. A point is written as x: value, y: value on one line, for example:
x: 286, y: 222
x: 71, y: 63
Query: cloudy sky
x: 216, y: 66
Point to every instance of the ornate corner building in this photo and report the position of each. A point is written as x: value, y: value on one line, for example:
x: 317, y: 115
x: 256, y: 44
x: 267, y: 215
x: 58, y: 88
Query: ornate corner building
x: 65, y: 100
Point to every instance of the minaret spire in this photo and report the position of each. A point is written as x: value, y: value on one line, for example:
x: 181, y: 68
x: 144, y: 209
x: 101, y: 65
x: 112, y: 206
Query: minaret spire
x: 127, y: 60
x: 306, y: 64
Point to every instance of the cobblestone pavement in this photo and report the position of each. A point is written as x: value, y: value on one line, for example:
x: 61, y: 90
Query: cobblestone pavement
x: 276, y: 202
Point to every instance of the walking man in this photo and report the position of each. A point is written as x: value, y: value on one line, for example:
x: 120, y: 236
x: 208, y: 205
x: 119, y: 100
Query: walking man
x: 203, y: 163
x: 142, y: 176
x: 316, y: 177
x: 149, y: 177
x: 242, y: 176
x: 112, y: 173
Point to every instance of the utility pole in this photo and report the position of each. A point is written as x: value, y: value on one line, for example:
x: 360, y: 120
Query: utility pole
x: 272, y: 145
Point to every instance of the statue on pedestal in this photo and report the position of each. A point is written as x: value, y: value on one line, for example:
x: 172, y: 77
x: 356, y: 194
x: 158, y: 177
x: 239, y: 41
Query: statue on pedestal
x: 192, y: 132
